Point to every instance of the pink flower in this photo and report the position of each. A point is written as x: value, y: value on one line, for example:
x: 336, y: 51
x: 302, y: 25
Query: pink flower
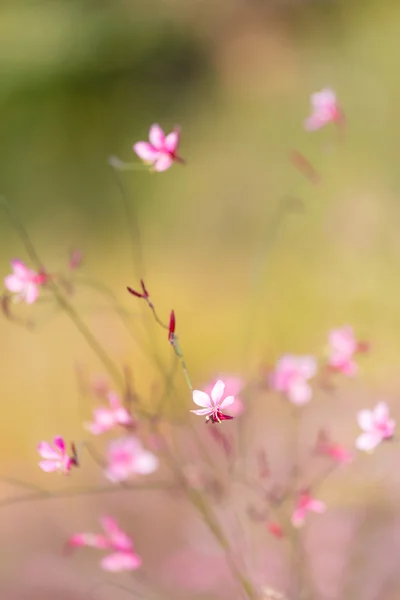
x: 161, y: 150
x: 123, y: 557
x: 305, y: 504
x: 343, y: 346
x: 275, y: 529
x: 56, y: 457
x: 107, y: 418
x: 291, y: 375
x: 377, y: 426
x: 325, y: 110
x: 213, y: 404
x: 125, y: 456
x: 24, y: 282
x: 233, y: 386
x: 326, y: 447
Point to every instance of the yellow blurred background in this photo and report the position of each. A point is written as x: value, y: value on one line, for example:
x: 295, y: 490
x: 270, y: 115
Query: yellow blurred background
x: 83, y: 80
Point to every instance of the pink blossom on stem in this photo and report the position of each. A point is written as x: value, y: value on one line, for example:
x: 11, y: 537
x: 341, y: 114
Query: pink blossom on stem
x: 326, y: 447
x: 343, y: 345
x: 24, y: 282
x: 107, y: 418
x: 161, y: 150
x: 291, y: 376
x: 233, y: 387
x: 55, y: 456
x: 126, y: 456
x: 213, y: 404
x: 306, y: 503
x: 377, y: 426
x: 324, y: 110
x: 123, y: 557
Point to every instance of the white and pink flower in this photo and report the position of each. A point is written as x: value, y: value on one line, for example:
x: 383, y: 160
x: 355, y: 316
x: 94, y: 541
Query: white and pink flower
x: 126, y: 456
x: 107, y: 418
x: 306, y: 503
x: 55, y: 456
x: 161, y: 151
x: 325, y: 110
x: 24, y: 282
x: 213, y: 404
x: 123, y: 556
x: 376, y: 425
x: 233, y: 387
x: 343, y: 345
x: 291, y: 377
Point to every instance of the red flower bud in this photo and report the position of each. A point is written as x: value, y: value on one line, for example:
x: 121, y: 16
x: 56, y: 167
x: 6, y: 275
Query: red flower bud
x: 171, y: 328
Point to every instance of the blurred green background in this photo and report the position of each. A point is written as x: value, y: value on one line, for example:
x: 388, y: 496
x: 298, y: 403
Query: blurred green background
x: 83, y: 80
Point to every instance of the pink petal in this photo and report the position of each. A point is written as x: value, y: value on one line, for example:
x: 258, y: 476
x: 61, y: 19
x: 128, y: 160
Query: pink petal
x: 118, y: 538
x: 202, y: 411
x: 201, y: 398
x: 324, y: 98
x: 298, y: 517
x: 95, y: 428
x: 146, y: 151
x: 365, y: 420
x: 21, y: 270
x: 121, y: 561
x: 49, y: 466
x: 227, y: 402
x: 92, y: 540
x: 123, y: 417
x: 171, y: 142
x: 118, y: 472
x: 300, y: 393
x: 316, y: 506
x: 14, y: 284
x: 31, y: 293
x: 368, y: 441
x: 114, y: 400
x: 314, y: 122
x: 59, y: 443
x: 104, y: 418
x: 217, y: 392
x: 146, y: 463
x: 307, y: 366
x: 381, y: 413
x: 47, y: 451
x: 163, y: 162
x: 156, y: 136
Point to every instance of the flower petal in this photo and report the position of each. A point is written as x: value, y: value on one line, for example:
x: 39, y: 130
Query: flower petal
x: 300, y: 393
x: 49, y: 466
x: 146, y: 463
x: 368, y: 441
x: 59, y: 443
x: 171, y: 141
x: 163, y: 162
x: 145, y: 151
x: 47, y: 451
x: 365, y: 420
x: 156, y: 136
x: 298, y: 517
x: 202, y: 411
x: 121, y: 561
x: 218, y: 391
x: 316, y: 506
x: 381, y: 413
x: 114, y: 400
x: 201, y: 399
x: 119, y: 539
x: 14, y: 284
x: 227, y: 402
x: 31, y: 293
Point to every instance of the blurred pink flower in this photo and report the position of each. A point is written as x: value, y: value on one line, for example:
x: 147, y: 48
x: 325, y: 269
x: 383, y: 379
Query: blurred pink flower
x: 233, y: 387
x: 343, y: 347
x: 213, y: 404
x: 161, y: 150
x: 305, y: 504
x: 326, y: 447
x: 126, y: 456
x: 291, y: 375
x: 123, y: 558
x: 107, y: 418
x: 377, y: 426
x: 24, y: 282
x: 324, y: 110
x: 275, y: 529
x: 56, y: 457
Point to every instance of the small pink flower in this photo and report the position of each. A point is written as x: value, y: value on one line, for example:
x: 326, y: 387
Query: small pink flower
x: 233, y: 387
x: 305, y: 504
x: 161, y: 150
x: 326, y: 447
x: 377, y: 426
x: 123, y: 557
x: 126, y: 456
x: 291, y: 375
x: 343, y: 347
x: 325, y: 110
x: 24, y: 282
x: 56, y: 457
x: 213, y: 404
x: 107, y: 418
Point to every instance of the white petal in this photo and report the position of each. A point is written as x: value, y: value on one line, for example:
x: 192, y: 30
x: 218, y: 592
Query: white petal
x: 368, y: 441
x: 365, y: 420
x: 381, y: 413
x: 201, y: 398
x: 146, y: 463
x: 227, y: 402
x: 218, y: 391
